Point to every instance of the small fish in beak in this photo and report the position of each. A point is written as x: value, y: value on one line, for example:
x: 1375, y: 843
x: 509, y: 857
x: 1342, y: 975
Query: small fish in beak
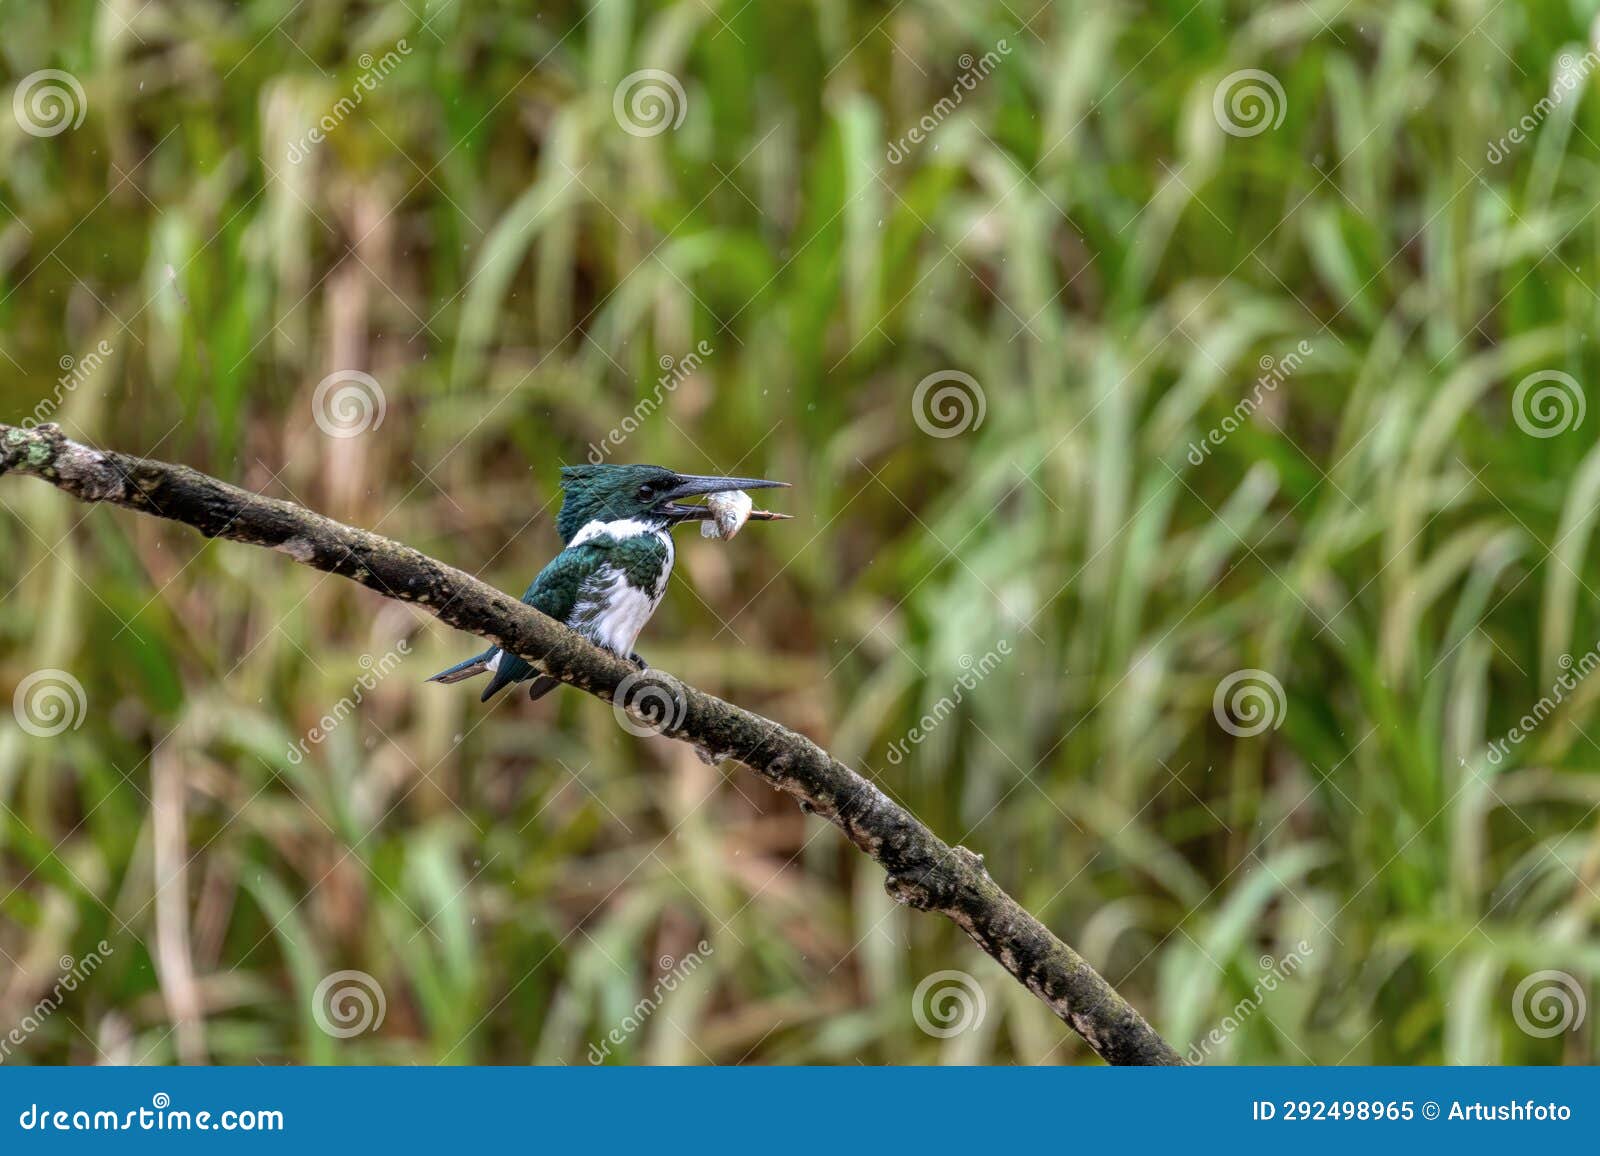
x: 729, y: 512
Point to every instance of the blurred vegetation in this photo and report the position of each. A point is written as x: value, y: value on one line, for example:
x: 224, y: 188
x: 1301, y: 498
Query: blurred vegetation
x: 1080, y: 236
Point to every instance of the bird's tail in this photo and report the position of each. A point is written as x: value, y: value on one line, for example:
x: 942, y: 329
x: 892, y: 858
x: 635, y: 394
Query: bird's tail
x: 472, y: 667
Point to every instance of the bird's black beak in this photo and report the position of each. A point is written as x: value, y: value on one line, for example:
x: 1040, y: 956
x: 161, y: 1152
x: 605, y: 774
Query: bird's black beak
x: 695, y: 485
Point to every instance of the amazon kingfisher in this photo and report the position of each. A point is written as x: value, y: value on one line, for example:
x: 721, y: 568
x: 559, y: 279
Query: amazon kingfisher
x: 616, y: 524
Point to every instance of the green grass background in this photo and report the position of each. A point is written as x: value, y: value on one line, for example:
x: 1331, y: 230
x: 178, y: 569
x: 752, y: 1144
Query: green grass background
x: 1082, y: 238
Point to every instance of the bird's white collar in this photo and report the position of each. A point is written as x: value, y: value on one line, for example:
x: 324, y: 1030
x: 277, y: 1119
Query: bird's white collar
x: 621, y: 528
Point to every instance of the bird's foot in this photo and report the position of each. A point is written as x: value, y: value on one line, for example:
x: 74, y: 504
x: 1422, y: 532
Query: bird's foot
x: 638, y: 660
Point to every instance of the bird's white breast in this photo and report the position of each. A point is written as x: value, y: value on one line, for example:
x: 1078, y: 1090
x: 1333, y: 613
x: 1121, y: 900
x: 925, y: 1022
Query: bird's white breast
x: 610, y: 610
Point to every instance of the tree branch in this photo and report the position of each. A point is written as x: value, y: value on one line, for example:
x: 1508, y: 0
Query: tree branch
x: 923, y: 871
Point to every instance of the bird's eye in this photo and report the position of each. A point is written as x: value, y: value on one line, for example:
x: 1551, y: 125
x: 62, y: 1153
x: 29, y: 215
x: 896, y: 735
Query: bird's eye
x: 646, y: 492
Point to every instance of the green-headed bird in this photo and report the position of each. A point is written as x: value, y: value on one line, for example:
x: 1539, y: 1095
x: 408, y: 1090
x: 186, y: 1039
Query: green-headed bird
x: 616, y: 522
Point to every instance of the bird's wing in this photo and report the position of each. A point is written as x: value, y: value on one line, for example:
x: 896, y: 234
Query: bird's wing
x: 556, y: 589
x: 553, y: 592
x: 565, y: 581
x: 561, y: 585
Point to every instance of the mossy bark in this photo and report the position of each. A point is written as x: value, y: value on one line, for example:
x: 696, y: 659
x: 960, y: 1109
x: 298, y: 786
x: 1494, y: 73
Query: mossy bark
x: 923, y: 871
